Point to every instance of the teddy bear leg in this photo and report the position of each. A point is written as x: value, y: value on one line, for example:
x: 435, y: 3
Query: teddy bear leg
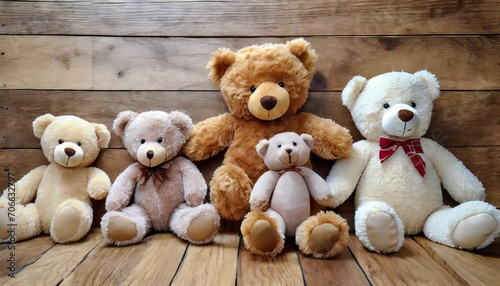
x: 23, y: 223
x: 263, y: 232
x: 198, y: 225
x: 470, y: 225
x: 323, y: 235
x: 125, y: 227
x: 72, y: 220
x: 230, y: 190
x: 378, y: 227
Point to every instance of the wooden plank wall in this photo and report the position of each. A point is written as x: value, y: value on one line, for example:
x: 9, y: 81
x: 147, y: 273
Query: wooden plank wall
x: 96, y: 58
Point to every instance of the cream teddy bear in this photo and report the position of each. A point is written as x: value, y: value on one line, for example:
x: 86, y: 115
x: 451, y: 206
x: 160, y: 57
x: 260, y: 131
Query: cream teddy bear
x: 398, y: 174
x: 281, y: 202
x: 55, y: 198
x: 162, y: 190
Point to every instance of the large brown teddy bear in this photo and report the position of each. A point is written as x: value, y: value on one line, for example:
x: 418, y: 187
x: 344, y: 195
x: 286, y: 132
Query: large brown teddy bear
x: 161, y: 190
x: 55, y: 198
x: 264, y: 87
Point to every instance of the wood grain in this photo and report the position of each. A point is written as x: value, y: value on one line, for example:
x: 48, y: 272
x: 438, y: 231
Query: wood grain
x: 180, y: 63
x: 340, y: 270
x: 25, y: 254
x: 58, y: 262
x: 214, y: 264
x: 410, y: 266
x: 284, y: 269
x: 230, y: 18
x: 41, y: 62
x: 460, y: 118
x: 475, y: 269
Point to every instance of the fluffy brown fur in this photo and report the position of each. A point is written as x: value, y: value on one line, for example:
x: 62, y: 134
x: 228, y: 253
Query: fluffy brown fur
x: 237, y: 73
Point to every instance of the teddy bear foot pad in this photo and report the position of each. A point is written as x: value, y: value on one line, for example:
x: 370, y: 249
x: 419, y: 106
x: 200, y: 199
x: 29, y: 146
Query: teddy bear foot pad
x: 323, y: 238
x: 121, y: 229
x: 201, y: 228
x: 473, y: 231
x: 382, y: 232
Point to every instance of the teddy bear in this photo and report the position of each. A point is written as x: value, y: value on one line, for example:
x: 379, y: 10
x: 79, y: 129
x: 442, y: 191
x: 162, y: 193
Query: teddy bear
x: 280, y: 202
x: 161, y: 190
x: 55, y: 198
x: 398, y: 174
x: 264, y: 87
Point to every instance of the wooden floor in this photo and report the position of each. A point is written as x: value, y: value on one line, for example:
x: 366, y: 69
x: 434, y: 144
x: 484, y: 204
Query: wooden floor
x: 163, y: 259
x: 96, y: 58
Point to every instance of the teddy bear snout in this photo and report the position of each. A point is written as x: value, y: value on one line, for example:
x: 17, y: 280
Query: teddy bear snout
x: 405, y: 115
x: 268, y: 102
x: 68, y: 154
x: 151, y: 154
x: 400, y: 120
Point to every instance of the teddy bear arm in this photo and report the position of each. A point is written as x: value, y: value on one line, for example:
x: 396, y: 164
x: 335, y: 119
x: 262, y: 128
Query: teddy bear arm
x: 27, y: 187
x: 263, y: 189
x: 346, y: 172
x: 98, y: 184
x: 318, y: 188
x: 331, y: 140
x: 209, y: 137
x: 195, y: 187
x: 122, y: 188
x: 459, y: 182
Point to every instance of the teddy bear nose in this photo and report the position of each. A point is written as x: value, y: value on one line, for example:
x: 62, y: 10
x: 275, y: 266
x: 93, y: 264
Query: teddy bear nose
x: 288, y: 150
x: 70, y: 152
x: 268, y: 102
x: 405, y: 115
x: 150, y: 154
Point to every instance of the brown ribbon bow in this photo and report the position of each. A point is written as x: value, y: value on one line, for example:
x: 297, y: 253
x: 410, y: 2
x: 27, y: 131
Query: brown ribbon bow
x: 158, y: 174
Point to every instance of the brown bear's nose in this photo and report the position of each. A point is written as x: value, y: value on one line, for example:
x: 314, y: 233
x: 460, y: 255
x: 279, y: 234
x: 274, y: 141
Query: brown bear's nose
x: 268, y: 102
x: 150, y: 154
x: 70, y: 152
x: 405, y: 115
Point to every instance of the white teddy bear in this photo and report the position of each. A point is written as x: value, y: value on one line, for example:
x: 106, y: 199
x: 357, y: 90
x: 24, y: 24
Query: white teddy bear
x: 398, y: 190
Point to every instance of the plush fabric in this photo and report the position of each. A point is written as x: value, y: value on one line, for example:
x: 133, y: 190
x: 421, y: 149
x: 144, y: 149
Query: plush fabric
x: 280, y: 202
x: 55, y: 198
x: 162, y: 190
x: 264, y: 87
x: 398, y: 191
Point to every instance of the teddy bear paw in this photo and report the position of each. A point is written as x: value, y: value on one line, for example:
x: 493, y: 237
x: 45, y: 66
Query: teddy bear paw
x: 201, y: 228
x: 121, y: 229
x: 323, y: 237
x: 264, y: 238
x: 382, y: 232
x: 66, y: 224
x: 474, y: 231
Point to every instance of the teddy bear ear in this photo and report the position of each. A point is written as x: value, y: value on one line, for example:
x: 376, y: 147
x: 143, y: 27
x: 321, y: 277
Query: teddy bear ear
x: 430, y: 81
x: 182, y: 121
x: 308, y: 139
x: 304, y: 52
x: 122, y: 120
x: 41, y: 123
x: 221, y: 60
x: 103, y: 135
x: 352, y: 90
x: 262, y: 147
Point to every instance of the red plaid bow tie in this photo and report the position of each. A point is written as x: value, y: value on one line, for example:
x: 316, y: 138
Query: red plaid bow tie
x: 411, y: 148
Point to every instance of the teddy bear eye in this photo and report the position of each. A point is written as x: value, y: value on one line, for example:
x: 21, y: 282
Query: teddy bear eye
x: 281, y: 84
x: 252, y: 88
x: 61, y: 141
x: 294, y: 143
x: 413, y: 104
x: 279, y: 146
x: 160, y: 140
x: 79, y: 143
x: 143, y: 141
x: 386, y: 105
